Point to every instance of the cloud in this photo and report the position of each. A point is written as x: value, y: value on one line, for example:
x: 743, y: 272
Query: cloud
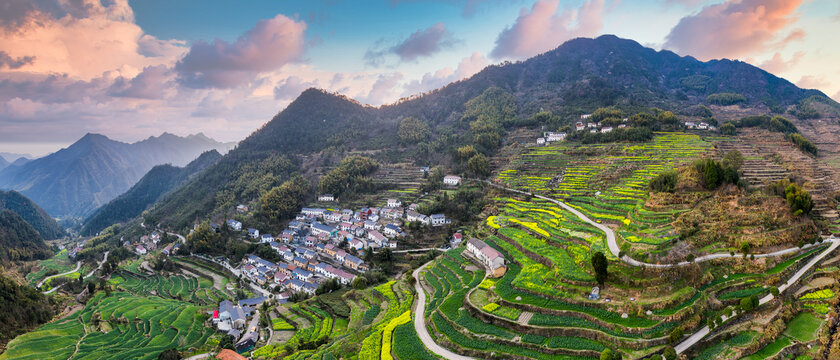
x: 271, y: 44
x: 777, y: 65
x: 812, y: 82
x: 468, y: 66
x: 7, y: 61
x: 154, y: 82
x: 469, y: 7
x: 80, y: 38
x: 290, y: 87
x: 421, y: 43
x: 837, y: 96
x: 384, y: 89
x: 736, y: 28
x: 543, y: 28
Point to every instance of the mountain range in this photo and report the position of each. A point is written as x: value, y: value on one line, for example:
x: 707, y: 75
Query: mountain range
x: 575, y: 78
x: 76, y: 180
x: 160, y: 180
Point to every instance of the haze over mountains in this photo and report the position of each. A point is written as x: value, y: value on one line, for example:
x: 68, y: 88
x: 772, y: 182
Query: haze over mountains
x: 74, y: 181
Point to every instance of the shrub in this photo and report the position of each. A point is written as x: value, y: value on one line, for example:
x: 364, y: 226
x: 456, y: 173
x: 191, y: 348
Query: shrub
x: 675, y: 335
x: 665, y: 182
x: 725, y: 99
x: 728, y: 128
x: 803, y: 143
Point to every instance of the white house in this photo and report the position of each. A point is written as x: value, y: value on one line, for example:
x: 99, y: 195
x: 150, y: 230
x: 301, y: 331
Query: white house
x: 140, y: 250
x: 585, y: 116
x: 234, y: 225
x: 438, y: 219
x: 452, y: 180
x: 267, y: 238
x: 579, y: 126
x: 326, y: 197
x: 554, y: 136
x: 540, y: 141
x: 487, y: 255
x: 394, y: 203
x: 242, y: 208
x: 253, y: 233
x: 606, y: 129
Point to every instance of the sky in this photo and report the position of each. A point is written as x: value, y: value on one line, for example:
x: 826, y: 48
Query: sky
x: 130, y: 69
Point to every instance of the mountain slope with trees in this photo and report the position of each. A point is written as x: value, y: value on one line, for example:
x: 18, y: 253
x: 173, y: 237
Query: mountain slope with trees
x: 46, y: 226
x: 157, y: 182
x: 19, y: 240
x: 74, y: 181
x: 576, y: 78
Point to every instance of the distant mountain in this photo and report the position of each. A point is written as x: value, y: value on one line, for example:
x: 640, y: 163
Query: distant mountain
x: 11, y: 157
x: 575, y: 78
x: 19, y: 240
x: 3, y: 163
x: 78, y: 179
x: 20, y: 161
x: 157, y: 182
x: 31, y: 213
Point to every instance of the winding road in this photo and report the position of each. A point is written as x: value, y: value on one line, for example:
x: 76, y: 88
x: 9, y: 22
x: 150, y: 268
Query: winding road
x: 78, y: 265
x: 614, y: 249
x: 420, y: 322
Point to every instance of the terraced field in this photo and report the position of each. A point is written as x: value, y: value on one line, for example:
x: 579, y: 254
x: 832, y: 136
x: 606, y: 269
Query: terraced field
x: 351, y: 325
x: 541, y: 308
x: 121, y: 326
x: 197, y: 290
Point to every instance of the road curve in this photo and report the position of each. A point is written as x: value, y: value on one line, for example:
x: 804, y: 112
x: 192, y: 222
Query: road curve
x: 614, y: 249
x: 104, y: 259
x: 420, y: 322
x: 78, y: 265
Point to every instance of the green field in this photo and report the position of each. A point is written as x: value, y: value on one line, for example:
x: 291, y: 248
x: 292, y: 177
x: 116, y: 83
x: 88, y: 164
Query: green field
x: 120, y: 326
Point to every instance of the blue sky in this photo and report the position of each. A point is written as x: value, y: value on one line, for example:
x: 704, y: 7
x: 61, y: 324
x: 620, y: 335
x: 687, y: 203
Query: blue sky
x: 130, y: 69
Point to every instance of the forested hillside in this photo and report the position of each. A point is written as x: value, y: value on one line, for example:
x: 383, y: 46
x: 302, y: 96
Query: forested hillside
x: 19, y: 240
x: 551, y: 89
x: 157, y: 182
x: 32, y: 213
x: 23, y: 307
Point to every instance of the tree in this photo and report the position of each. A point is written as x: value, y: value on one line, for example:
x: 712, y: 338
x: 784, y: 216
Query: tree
x: 170, y: 354
x: 413, y: 130
x: 774, y: 291
x: 608, y: 354
x: 479, y: 166
x: 668, y: 118
x: 669, y: 353
x: 599, y: 264
x: 675, y: 335
x: 665, y: 182
x: 360, y: 283
x: 728, y: 129
x: 285, y: 200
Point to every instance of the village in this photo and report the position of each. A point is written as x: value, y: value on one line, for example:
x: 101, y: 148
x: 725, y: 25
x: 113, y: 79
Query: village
x: 318, y: 246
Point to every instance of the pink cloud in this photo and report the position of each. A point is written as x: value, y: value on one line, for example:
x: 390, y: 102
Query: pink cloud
x: 777, y: 64
x: 154, y: 82
x: 468, y: 66
x: 812, y: 82
x: 421, y: 43
x: 543, y: 28
x: 735, y: 28
x: 271, y: 44
x: 384, y: 89
x: 290, y: 87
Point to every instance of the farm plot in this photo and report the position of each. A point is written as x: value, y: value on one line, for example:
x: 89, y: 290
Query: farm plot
x: 189, y: 288
x: 120, y: 326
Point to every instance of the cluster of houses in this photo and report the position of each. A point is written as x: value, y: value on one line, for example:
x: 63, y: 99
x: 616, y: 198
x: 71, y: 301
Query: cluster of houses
x: 75, y: 250
x: 550, y: 137
x: 145, y: 244
x: 232, y: 319
x: 595, y: 127
x: 699, y: 126
x: 302, y: 269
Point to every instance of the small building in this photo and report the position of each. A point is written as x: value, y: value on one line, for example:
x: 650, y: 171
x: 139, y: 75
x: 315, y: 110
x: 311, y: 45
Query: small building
x: 326, y: 197
x: 234, y: 225
x: 585, y: 116
x: 606, y: 129
x: 579, y: 126
x: 228, y: 354
x: 248, y: 341
x: 451, y: 180
x: 241, y: 208
x: 318, y: 229
x: 253, y: 233
x: 540, y: 141
x: 490, y: 257
x: 554, y: 136
x: 140, y: 250
x: 353, y: 262
x: 438, y: 219
x: 267, y: 238
x: 456, y: 239
x: 394, y: 203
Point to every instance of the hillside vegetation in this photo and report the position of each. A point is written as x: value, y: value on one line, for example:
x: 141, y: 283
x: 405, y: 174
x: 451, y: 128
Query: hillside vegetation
x: 32, y: 213
x: 19, y: 240
x: 156, y: 183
